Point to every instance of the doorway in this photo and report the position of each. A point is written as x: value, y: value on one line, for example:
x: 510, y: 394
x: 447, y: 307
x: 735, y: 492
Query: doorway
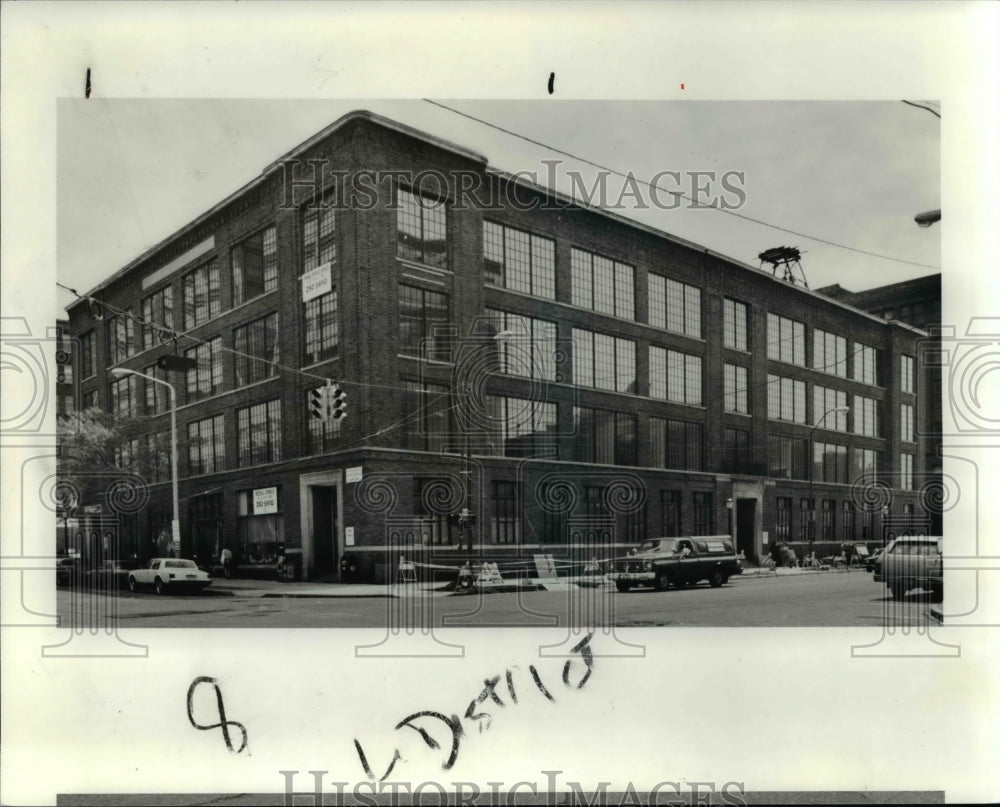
x: 746, y: 517
x: 324, y: 528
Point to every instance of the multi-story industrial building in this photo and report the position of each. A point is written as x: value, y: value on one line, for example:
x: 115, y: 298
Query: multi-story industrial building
x: 918, y: 303
x: 572, y: 379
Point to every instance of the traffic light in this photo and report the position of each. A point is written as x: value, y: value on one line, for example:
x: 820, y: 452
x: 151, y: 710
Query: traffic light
x: 62, y: 359
x: 177, y: 364
x: 317, y: 403
x: 338, y: 407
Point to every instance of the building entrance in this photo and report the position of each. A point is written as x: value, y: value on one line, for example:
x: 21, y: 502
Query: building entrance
x: 324, y: 532
x: 746, y: 517
x: 321, y: 506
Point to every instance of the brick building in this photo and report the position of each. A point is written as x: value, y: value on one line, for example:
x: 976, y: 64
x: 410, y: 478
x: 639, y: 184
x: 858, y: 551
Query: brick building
x: 918, y: 303
x: 575, y: 380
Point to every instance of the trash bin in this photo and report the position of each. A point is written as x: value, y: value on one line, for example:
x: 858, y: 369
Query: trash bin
x: 349, y: 568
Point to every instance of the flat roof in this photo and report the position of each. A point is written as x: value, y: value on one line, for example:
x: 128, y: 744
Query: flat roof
x: 272, y: 167
x: 388, y: 123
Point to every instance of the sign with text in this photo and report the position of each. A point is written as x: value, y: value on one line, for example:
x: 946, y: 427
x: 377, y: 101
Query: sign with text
x: 349, y: 536
x: 317, y: 282
x: 353, y: 474
x: 265, y: 500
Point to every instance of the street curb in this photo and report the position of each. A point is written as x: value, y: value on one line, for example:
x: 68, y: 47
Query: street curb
x: 757, y: 575
x: 272, y: 595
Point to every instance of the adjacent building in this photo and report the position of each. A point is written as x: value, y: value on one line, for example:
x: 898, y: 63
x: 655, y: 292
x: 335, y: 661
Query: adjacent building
x: 522, y: 375
x: 918, y: 303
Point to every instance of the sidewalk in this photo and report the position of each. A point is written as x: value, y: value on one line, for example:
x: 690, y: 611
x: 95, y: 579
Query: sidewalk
x: 783, y: 571
x: 278, y: 588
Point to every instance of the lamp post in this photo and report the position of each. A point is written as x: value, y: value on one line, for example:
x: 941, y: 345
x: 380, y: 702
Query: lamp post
x: 176, y: 524
x: 809, y: 463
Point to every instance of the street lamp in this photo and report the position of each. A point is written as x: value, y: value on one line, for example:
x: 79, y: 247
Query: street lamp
x: 118, y: 372
x: 810, y: 462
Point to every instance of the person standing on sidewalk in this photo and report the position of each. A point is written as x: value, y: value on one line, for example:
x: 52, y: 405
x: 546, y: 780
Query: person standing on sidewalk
x: 226, y: 556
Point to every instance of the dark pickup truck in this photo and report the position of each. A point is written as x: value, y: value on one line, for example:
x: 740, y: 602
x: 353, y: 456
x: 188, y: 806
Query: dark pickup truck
x: 665, y: 562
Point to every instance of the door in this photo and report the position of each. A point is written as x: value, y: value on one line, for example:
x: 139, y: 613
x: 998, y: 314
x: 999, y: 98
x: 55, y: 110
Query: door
x: 206, y: 537
x: 324, y: 524
x: 746, y: 513
x: 687, y: 565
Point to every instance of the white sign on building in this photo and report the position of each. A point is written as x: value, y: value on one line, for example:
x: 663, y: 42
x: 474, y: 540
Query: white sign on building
x: 317, y: 282
x: 354, y: 474
x: 265, y: 500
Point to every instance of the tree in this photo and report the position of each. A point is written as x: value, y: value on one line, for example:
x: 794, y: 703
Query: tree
x: 94, y: 445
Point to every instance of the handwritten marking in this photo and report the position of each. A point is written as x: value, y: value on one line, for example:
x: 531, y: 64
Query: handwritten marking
x: 396, y: 757
x: 682, y: 85
x: 86, y: 87
x: 538, y: 682
x: 223, y: 723
x: 510, y: 686
x: 482, y: 719
x: 552, y: 82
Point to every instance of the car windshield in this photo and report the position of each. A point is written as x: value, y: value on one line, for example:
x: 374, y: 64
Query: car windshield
x: 665, y: 544
x: 180, y: 564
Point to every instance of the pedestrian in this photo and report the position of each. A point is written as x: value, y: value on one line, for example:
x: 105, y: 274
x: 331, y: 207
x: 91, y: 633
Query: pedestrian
x: 465, y: 579
x: 226, y: 556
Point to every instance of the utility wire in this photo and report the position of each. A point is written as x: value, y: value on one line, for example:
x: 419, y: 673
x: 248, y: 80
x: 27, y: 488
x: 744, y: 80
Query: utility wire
x: 677, y: 193
x: 171, y: 334
x: 175, y: 335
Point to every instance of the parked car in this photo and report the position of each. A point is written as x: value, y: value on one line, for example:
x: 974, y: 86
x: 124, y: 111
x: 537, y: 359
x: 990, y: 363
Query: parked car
x: 169, y: 574
x: 665, y: 562
x: 68, y: 571
x: 911, y: 562
x: 112, y: 574
x: 871, y: 559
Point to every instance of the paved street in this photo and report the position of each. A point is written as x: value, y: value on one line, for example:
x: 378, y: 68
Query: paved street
x: 841, y: 599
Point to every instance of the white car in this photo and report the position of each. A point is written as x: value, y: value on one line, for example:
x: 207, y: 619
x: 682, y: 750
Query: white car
x: 912, y: 561
x: 169, y: 574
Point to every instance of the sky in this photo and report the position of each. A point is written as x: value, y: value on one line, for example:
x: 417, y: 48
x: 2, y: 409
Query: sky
x: 131, y: 172
x: 128, y: 173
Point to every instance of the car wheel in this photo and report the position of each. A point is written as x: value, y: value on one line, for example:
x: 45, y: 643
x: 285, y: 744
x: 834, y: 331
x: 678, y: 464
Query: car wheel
x: 662, y: 581
x: 622, y: 585
x: 898, y: 591
x: 131, y: 584
x: 717, y: 578
x: 160, y: 587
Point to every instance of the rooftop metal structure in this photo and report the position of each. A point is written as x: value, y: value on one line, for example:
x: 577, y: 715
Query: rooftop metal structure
x: 789, y: 258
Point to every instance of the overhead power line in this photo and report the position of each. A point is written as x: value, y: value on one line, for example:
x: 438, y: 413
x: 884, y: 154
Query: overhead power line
x: 632, y: 177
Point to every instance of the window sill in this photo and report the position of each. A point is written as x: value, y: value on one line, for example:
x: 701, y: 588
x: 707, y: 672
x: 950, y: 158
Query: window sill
x: 431, y: 362
x: 424, y: 266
